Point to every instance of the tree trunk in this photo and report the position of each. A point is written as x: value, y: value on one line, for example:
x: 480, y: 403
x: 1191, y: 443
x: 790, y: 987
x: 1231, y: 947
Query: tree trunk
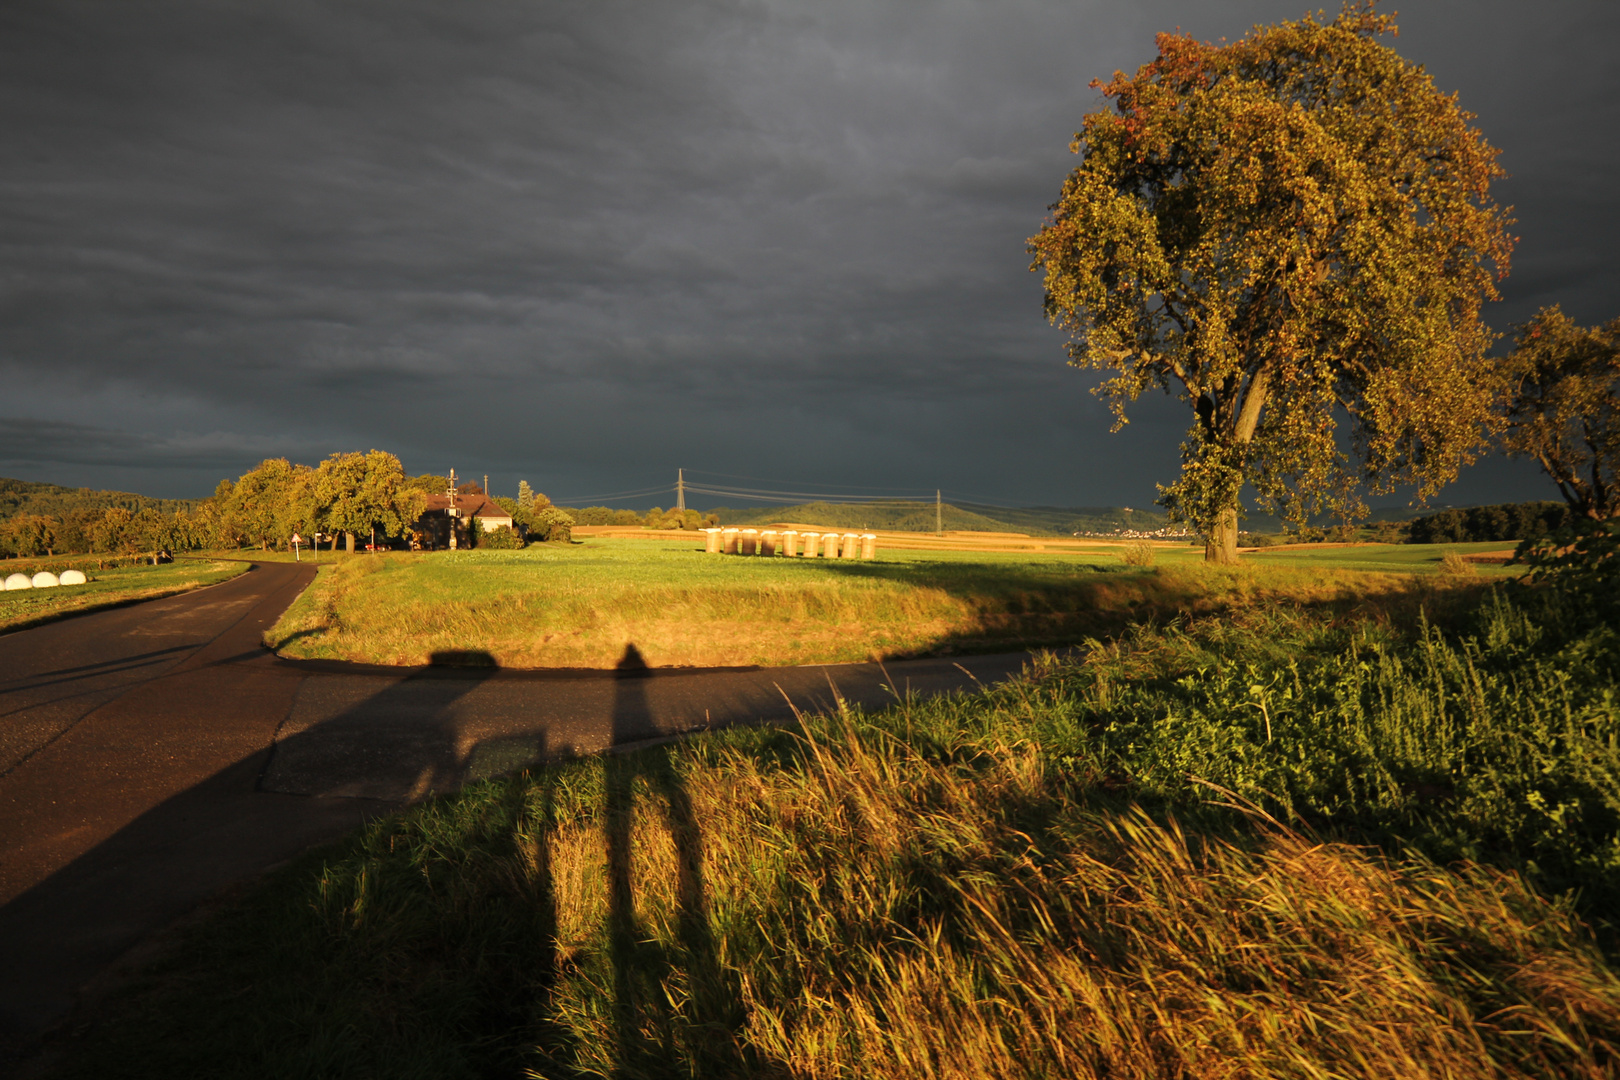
x: 1221, y: 545
x: 348, y: 542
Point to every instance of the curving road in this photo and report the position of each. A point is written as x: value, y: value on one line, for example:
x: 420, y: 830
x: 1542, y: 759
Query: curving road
x: 152, y: 756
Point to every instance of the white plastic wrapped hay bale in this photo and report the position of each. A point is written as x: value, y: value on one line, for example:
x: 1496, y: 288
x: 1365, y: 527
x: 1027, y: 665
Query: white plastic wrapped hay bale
x: 19, y: 581
x: 45, y: 580
x: 73, y: 577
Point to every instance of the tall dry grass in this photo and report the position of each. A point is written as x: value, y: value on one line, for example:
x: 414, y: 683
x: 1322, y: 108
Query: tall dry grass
x: 875, y: 912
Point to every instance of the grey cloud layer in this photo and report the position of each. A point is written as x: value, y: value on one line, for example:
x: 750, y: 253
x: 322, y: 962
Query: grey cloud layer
x: 587, y: 242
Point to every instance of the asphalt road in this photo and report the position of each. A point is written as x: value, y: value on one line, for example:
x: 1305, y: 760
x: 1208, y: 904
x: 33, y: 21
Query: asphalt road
x: 154, y: 755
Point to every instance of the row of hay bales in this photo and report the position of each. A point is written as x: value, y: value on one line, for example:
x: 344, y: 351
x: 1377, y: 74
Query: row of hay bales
x: 791, y: 543
x: 45, y: 580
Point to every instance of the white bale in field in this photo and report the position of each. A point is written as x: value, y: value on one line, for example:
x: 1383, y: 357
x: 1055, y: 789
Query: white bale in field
x: 45, y: 580
x: 750, y: 541
x: 812, y: 542
x: 767, y: 542
x: 852, y: 545
x: 73, y: 577
x: 19, y: 581
x: 711, y: 541
x: 790, y: 543
x: 869, y: 545
x: 829, y: 545
x: 728, y: 540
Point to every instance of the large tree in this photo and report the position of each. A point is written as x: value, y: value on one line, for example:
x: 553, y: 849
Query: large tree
x: 1565, y: 410
x: 352, y: 493
x: 269, y: 503
x: 1294, y: 234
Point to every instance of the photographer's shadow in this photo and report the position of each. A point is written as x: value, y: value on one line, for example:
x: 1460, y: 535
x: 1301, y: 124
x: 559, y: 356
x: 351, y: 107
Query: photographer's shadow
x: 646, y: 1028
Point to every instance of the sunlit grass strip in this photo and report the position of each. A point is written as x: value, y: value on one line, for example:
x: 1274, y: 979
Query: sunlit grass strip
x: 22, y: 608
x: 580, y: 607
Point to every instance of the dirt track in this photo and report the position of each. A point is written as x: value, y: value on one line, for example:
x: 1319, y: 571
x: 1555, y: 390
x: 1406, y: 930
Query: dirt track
x: 154, y: 755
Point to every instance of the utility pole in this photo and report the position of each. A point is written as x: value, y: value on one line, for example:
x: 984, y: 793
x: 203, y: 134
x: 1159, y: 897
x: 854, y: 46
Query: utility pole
x: 452, y: 513
x: 939, y: 514
x: 680, y: 490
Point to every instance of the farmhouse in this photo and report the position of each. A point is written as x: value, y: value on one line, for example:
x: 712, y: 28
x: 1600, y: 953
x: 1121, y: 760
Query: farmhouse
x: 448, y: 516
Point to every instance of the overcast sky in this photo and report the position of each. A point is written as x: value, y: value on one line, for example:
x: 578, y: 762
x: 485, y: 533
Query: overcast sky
x: 585, y: 243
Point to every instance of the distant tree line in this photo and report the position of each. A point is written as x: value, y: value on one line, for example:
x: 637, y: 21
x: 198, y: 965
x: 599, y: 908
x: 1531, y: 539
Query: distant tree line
x: 52, y: 500
x: 114, y: 530
x: 1508, y: 521
x: 348, y: 498
x: 656, y: 518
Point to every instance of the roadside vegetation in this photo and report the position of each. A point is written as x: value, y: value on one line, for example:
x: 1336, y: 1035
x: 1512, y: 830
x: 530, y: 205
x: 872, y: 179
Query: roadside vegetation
x: 124, y: 582
x: 1278, y: 842
x: 579, y: 605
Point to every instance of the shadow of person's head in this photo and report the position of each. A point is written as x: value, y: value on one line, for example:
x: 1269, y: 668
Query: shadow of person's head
x: 632, y: 662
x: 472, y: 658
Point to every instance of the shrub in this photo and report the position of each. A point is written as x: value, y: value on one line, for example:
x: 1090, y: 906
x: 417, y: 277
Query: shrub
x: 501, y: 539
x: 552, y: 524
x: 1139, y: 554
x: 1454, y: 565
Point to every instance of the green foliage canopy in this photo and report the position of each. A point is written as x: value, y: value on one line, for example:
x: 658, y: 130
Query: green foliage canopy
x: 1565, y: 410
x: 355, y: 492
x: 1286, y: 231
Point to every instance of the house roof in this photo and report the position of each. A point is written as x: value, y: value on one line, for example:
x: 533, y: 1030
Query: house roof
x: 479, y: 506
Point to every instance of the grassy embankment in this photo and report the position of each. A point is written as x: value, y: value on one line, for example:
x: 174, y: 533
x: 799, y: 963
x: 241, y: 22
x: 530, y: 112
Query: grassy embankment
x: 1069, y: 875
x: 579, y: 605
x: 22, y: 608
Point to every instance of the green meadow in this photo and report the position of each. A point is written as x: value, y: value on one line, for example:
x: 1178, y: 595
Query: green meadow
x: 580, y: 604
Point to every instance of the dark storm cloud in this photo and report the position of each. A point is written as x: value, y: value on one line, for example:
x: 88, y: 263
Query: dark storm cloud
x: 585, y: 243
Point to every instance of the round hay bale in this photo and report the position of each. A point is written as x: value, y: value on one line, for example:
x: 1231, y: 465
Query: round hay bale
x: 45, y: 580
x: 19, y: 581
x: 73, y: 577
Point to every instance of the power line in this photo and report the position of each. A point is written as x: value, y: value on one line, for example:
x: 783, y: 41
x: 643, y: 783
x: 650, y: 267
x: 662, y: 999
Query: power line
x: 581, y: 500
x: 769, y: 480
x: 758, y: 495
x: 861, y: 495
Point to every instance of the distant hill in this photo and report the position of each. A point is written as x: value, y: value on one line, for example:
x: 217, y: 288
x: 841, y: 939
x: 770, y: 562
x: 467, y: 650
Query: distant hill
x: 50, y: 500
x: 1068, y: 520
x: 896, y: 516
x: 918, y: 516
x: 900, y: 516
